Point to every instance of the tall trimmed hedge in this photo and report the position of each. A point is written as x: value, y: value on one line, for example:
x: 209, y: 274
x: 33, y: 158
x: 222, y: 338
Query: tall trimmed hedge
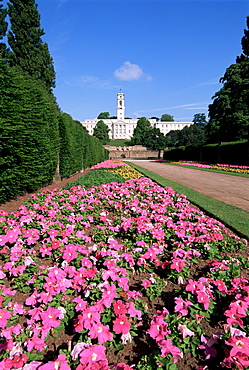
x: 36, y: 139
x: 29, y: 135
x: 78, y: 150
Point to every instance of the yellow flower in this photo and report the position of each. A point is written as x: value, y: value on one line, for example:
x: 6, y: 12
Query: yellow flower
x: 127, y: 172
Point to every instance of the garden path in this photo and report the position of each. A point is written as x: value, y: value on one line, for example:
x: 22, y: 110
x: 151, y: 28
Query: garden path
x: 228, y: 188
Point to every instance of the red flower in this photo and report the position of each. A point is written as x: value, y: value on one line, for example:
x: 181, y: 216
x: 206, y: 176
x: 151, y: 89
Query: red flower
x: 119, y: 308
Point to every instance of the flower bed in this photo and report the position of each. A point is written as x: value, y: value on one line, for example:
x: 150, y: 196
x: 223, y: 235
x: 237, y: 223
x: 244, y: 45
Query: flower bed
x: 121, y: 276
x: 218, y: 166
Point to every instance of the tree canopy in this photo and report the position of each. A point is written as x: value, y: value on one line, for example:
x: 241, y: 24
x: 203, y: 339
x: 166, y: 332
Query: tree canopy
x: 141, y: 131
x: 104, y: 115
x: 28, y: 51
x: 200, y: 119
x: 229, y: 112
x: 101, y: 132
x: 3, y: 30
x: 167, y: 118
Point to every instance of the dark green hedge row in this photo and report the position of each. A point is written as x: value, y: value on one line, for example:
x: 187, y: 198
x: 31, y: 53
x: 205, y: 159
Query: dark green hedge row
x: 227, y: 153
x: 29, y: 136
x: 36, y: 139
x: 78, y: 150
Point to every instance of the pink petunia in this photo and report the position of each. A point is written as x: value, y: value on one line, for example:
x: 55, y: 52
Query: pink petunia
x: 167, y: 347
x: 240, y: 345
x: 185, y: 331
x: 101, y: 332
x: 146, y: 283
x: 61, y: 363
x: 109, y: 293
x: 50, y: 317
x: 119, y: 307
x: 4, y: 316
x: 182, y: 306
x: 93, y: 354
x: 121, y: 325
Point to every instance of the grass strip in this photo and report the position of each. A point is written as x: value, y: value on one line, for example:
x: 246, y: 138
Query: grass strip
x: 236, y: 219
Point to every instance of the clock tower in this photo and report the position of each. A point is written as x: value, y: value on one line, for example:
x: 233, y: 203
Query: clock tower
x: 120, y: 106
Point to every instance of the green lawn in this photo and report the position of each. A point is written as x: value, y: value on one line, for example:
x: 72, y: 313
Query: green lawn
x: 119, y: 142
x: 234, y: 218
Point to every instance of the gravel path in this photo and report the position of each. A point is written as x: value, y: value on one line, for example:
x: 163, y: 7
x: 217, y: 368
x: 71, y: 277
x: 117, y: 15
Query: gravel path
x: 230, y: 189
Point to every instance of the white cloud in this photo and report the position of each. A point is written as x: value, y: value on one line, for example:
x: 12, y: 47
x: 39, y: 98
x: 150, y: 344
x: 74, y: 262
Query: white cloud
x: 130, y: 72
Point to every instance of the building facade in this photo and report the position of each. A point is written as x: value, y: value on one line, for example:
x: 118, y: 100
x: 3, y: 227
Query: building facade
x: 123, y: 128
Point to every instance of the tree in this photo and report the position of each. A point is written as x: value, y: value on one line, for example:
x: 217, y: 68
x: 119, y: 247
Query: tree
x: 3, y: 30
x: 156, y: 118
x: 167, y: 118
x: 141, y: 131
x: 229, y: 112
x: 200, y: 119
x: 101, y: 131
x: 155, y: 140
x: 104, y: 115
x: 25, y: 39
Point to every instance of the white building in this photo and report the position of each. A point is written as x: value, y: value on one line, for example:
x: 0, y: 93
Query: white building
x: 123, y: 128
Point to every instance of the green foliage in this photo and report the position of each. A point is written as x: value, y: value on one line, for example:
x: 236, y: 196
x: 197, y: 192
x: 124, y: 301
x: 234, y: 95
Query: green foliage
x: 93, y: 151
x: 167, y: 118
x: 95, y: 178
x: 141, y: 132
x: 71, y: 149
x: 200, y: 119
x: 120, y: 142
x: 229, y: 112
x: 155, y: 140
x: 104, y: 115
x: 29, y: 136
x: 192, y: 136
x: 229, y: 153
x: 28, y: 50
x: 3, y: 29
x: 101, y: 131
x: 156, y: 118
x: 78, y: 150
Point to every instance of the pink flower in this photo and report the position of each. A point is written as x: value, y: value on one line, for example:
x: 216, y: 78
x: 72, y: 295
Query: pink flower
x: 182, y: 306
x: 35, y: 342
x: 121, y: 325
x: 59, y: 364
x: 109, y: 294
x: 177, y: 264
x: 121, y: 366
x: 185, y: 331
x: 4, y: 316
x: 119, y: 307
x: 240, y: 345
x: 146, y: 283
x: 93, y: 354
x: 50, y: 317
x: 16, y: 362
x: 101, y: 332
x: 158, y: 328
x: 167, y: 347
x: 88, y: 317
x: 203, y: 298
x: 132, y: 311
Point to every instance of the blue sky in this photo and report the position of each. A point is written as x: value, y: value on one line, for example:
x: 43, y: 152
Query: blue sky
x: 167, y: 55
